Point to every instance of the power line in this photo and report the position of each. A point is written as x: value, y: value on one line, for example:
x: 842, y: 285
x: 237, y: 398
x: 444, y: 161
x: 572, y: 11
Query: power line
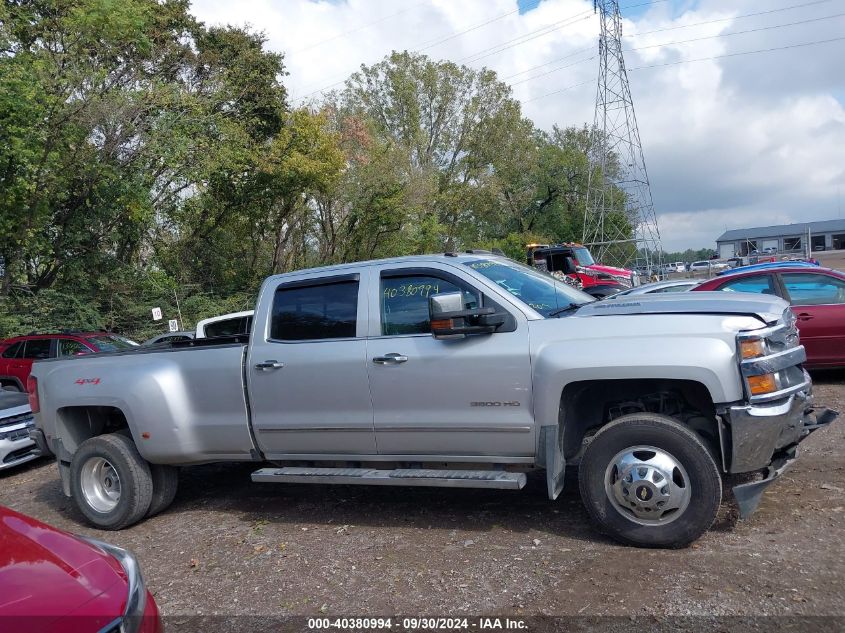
x: 553, y: 61
x: 762, y: 50
x: 431, y: 43
x: 686, y: 61
x: 735, y: 17
x: 534, y: 5
x: 549, y: 94
x: 360, y: 27
x: 554, y: 70
x: 765, y: 28
x: 762, y: 28
x: 550, y: 28
x: 504, y: 45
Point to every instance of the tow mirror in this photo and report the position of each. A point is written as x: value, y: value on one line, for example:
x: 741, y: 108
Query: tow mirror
x: 449, y: 318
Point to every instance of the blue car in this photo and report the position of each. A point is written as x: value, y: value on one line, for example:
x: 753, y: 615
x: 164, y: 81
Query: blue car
x: 768, y: 266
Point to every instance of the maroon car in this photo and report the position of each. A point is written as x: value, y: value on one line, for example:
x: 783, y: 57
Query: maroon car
x: 17, y: 354
x: 54, y: 582
x: 817, y: 297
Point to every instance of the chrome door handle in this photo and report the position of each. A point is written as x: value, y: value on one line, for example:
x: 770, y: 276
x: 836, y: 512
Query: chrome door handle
x: 390, y: 359
x: 803, y: 316
x: 269, y: 364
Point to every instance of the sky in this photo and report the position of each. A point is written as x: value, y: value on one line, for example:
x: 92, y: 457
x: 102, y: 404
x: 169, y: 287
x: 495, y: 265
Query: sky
x: 734, y: 134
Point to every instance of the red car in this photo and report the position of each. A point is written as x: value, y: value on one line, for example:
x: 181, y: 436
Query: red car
x: 817, y: 297
x: 52, y: 582
x: 17, y: 354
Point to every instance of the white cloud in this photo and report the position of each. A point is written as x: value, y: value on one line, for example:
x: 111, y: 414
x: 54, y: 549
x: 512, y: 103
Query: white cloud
x: 731, y: 142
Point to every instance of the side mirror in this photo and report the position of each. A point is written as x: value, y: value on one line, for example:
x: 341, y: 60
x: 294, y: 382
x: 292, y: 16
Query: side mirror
x: 569, y: 265
x: 449, y: 318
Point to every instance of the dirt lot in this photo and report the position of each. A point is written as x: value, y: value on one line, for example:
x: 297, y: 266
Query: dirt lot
x: 228, y: 546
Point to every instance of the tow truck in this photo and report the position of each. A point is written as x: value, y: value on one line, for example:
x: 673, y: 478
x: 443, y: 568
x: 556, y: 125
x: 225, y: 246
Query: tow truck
x: 574, y: 264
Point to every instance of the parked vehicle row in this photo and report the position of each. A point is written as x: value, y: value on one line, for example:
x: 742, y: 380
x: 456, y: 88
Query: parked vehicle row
x: 17, y: 354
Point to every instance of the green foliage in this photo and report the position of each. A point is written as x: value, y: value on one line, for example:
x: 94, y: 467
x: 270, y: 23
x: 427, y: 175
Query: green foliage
x: 147, y: 160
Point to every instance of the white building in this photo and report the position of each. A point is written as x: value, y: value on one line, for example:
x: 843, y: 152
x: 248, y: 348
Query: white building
x: 824, y: 235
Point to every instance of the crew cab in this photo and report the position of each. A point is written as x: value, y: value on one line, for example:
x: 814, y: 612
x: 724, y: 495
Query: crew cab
x: 453, y: 370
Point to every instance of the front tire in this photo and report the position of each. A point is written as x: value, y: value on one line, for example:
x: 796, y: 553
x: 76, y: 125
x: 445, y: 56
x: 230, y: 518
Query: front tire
x: 110, y: 482
x: 649, y: 481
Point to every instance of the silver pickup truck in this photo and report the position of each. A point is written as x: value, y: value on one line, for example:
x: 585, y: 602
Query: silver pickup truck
x: 454, y: 370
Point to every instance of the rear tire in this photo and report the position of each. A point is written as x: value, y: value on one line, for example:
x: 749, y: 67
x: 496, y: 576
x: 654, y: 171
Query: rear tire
x: 165, y: 483
x: 110, y: 482
x: 649, y: 481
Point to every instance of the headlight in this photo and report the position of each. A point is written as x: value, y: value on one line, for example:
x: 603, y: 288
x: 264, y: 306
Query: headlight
x: 752, y: 348
x: 136, y: 600
x: 763, y: 384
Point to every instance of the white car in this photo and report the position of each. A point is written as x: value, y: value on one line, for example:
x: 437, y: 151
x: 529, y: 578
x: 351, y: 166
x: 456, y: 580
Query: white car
x: 16, y: 420
x: 704, y: 264
x: 225, y: 325
x: 670, y: 285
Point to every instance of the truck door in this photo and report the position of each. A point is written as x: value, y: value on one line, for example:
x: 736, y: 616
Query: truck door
x: 306, y: 370
x: 462, y: 397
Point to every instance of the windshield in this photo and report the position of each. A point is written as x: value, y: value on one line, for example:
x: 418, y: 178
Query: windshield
x: 583, y: 255
x: 108, y: 343
x: 538, y: 290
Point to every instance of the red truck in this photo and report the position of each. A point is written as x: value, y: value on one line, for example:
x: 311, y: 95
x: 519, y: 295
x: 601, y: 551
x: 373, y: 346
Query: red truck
x: 576, y: 264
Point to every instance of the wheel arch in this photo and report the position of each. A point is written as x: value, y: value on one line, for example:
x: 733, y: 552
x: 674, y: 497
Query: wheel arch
x: 588, y: 405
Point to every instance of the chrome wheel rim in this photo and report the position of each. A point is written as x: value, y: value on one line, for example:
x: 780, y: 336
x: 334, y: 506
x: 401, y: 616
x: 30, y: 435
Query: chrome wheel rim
x: 100, y: 484
x: 647, y: 485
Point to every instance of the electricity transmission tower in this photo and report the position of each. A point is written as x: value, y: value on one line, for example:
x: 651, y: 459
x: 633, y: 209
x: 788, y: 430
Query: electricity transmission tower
x: 619, y: 221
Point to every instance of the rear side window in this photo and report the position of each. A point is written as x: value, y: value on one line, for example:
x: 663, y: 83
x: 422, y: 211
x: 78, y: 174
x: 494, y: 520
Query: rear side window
x: 37, y: 348
x: 228, y: 327
x: 13, y: 351
x: 809, y: 289
x: 71, y: 347
x: 324, y: 311
x: 759, y: 284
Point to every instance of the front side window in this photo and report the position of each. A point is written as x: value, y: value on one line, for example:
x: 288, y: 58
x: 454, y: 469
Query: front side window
x: 807, y: 289
x: 70, y: 347
x: 37, y: 348
x: 583, y: 255
x: 758, y: 284
x: 13, y: 351
x: 540, y: 291
x: 324, y: 311
x: 404, y: 302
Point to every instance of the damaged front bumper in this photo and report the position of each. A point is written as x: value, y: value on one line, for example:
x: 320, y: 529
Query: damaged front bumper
x: 756, y: 437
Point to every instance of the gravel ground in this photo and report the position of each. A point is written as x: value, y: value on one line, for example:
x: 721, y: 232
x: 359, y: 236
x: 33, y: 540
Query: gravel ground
x: 228, y: 546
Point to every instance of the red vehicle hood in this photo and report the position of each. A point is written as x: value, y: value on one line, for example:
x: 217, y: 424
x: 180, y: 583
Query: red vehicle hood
x: 610, y: 270
x: 48, y: 573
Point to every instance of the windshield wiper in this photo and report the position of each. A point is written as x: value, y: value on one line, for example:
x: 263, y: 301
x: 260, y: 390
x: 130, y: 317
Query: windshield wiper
x: 569, y: 308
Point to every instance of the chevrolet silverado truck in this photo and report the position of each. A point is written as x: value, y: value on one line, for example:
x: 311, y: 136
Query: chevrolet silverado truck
x: 453, y: 370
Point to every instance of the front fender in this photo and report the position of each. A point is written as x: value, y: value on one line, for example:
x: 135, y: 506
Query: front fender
x: 709, y: 361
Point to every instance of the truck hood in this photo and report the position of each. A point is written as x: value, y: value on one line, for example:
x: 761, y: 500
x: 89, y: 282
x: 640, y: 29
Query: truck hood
x: 609, y: 270
x: 765, y: 307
